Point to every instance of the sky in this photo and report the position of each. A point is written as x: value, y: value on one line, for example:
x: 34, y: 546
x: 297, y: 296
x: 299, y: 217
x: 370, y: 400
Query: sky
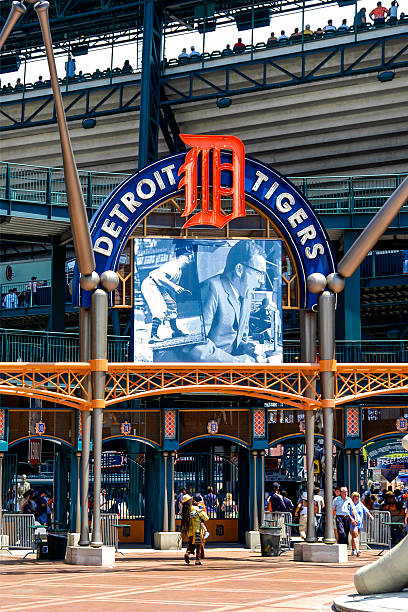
x: 213, y: 41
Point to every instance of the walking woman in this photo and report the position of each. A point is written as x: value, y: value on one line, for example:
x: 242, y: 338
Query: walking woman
x: 361, y: 510
x: 191, y: 528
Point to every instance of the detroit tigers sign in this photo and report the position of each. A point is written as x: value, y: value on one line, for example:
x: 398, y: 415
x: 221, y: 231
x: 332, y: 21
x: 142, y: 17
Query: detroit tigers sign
x: 183, y: 174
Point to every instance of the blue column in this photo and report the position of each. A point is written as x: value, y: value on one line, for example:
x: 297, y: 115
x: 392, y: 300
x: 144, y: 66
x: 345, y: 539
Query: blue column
x: 153, y: 494
x: 74, y: 475
x: 150, y: 83
x: 348, y: 308
x: 58, y: 288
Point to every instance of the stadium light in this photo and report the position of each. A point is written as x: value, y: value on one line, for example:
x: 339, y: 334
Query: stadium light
x: 386, y: 75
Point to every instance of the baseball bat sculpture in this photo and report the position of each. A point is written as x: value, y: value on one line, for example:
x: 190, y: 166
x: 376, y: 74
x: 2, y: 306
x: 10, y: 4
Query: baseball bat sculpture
x: 389, y: 573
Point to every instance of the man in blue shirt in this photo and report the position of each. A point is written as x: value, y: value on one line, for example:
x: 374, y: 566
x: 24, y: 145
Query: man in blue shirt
x: 343, y: 510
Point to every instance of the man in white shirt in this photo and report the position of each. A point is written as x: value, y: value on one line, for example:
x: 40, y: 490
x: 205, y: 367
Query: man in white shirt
x: 329, y: 27
x: 346, y: 515
x: 320, y: 507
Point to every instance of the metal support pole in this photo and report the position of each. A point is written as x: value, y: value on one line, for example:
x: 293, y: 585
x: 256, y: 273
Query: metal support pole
x: 85, y: 355
x: 172, y: 507
x: 17, y: 9
x: 308, y: 355
x: 78, y: 497
x: 348, y: 455
x: 326, y: 304
x: 76, y: 205
x: 99, y: 349
x: 357, y: 458
x: 262, y: 455
x: 255, y: 523
x: 165, y: 500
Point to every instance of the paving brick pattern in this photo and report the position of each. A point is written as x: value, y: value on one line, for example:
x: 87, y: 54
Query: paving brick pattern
x: 229, y: 581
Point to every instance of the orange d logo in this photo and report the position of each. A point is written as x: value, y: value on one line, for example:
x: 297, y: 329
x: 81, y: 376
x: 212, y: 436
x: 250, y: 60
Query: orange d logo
x: 203, y: 146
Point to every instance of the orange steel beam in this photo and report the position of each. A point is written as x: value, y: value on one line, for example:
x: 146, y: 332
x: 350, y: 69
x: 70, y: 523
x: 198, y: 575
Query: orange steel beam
x: 63, y: 383
x: 54, y: 382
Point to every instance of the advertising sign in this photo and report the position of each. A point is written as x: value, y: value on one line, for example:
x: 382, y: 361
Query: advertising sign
x: 207, y: 301
x: 34, y: 452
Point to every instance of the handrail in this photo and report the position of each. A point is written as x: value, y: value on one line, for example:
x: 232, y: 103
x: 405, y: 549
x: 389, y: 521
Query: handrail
x: 44, y: 346
x: 358, y: 194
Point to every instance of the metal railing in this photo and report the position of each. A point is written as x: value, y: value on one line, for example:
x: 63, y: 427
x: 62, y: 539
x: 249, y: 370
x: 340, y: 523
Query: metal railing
x: 379, y: 264
x: 44, y: 346
x: 282, y: 520
x: 19, y: 528
x: 110, y: 535
x: 327, y: 194
x: 377, y: 532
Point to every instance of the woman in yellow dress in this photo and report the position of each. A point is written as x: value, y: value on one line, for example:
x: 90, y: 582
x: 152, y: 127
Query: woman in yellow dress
x: 192, y: 528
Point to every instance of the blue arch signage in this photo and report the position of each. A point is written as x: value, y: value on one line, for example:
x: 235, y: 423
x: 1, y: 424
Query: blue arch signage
x: 268, y: 191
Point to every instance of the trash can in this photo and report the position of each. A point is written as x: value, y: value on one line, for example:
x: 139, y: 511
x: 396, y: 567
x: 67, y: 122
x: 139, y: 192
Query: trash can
x: 270, y: 540
x: 57, y: 546
x: 41, y: 547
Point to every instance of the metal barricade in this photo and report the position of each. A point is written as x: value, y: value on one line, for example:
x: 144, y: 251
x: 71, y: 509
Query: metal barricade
x: 110, y: 534
x: 378, y: 531
x: 19, y: 528
x: 283, y: 520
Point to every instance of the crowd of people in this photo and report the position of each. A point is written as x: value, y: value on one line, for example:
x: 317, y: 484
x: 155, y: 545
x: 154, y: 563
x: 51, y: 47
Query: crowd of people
x: 380, y: 15
x: 27, y: 296
x: 39, y: 504
x: 348, y: 512
x: 217, y: 505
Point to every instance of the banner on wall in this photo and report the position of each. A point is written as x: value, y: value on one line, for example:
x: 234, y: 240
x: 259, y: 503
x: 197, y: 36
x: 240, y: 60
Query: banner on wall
x: 207, y: 301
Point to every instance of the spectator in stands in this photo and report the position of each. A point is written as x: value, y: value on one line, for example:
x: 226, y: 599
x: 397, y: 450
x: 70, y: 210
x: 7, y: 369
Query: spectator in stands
x: 239, y: 46
x: 307, y: 31
x: 18, y: 86
x: 329, y: 27
x: 194, y: 54
x: 343, y: 27
x: 296, y: 35
x: 402, y: 17
x: 127, y: 68
x: 393, y: 12
x: 360, y: 21
x: 271, y: 40
x: 70, y: 67
x: 80, y: 76
x: 227, y: 50
x: 319, y: 33
x: 283, y: 38
x: 183, y: 55
x: 8, y: 300
x: 7, y: 88
x: 97, y: 74
x: 39, y: 83
x: 378, y: 14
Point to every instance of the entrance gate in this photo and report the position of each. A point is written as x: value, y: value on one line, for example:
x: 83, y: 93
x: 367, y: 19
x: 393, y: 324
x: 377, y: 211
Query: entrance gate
x: 218, y: 470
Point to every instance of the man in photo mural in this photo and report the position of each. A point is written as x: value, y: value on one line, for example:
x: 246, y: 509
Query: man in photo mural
x: 161, y: 288
x: 226, y: 302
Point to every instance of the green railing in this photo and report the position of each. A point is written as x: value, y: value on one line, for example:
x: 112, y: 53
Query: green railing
x: 328, y: 194
x: 38, y: 346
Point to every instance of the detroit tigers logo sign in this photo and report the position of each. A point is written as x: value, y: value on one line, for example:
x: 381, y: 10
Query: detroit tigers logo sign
x: 207, y: 150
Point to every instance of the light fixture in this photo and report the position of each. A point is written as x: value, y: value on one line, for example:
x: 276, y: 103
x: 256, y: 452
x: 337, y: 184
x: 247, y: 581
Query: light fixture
x: 224, y: 102
x: 88, y: 123
x: 386, y: 75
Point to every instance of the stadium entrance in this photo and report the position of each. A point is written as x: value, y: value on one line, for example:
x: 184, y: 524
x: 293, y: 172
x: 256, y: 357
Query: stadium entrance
x: 212, y: 471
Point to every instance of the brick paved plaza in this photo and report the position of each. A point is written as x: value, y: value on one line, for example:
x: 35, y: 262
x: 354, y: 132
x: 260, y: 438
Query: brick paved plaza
x: 233, y: 580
